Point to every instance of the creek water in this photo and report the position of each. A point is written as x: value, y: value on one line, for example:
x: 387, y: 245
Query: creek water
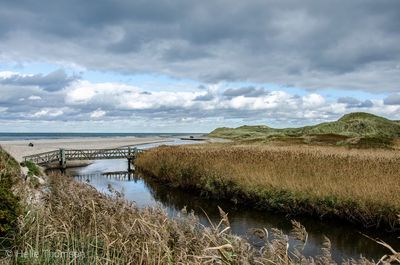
x: 347, y: 240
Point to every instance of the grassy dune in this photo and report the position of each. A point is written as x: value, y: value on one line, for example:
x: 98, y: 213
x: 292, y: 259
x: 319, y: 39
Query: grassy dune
x: 360, y: 129
x: 360, y: 186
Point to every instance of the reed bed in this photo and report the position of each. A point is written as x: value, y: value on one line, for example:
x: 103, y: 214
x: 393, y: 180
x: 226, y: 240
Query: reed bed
x: 67, y: 222
x: 77, y: 225
x: 361, y: 186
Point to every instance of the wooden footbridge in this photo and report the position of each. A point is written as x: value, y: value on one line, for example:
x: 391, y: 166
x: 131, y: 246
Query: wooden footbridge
x: 62, y: 155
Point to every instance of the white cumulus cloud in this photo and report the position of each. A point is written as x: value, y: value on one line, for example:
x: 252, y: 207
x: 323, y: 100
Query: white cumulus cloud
x: 97, y: 114
x: 34, y: 97
x: 48, y: 112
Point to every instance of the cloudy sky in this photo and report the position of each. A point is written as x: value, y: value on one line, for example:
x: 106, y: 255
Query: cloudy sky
x: 191, y: 66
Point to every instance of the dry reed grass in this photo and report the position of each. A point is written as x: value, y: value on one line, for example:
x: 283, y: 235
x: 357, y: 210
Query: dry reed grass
x: 77, y: 225
x: 357, y: 185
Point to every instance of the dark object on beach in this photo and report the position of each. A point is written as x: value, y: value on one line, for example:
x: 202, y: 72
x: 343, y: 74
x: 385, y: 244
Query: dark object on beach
x: 30, y: 144
x: 193, y: 138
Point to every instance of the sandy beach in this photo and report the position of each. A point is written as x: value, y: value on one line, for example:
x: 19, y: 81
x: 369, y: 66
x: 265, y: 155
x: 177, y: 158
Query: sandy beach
x: 19, y: 149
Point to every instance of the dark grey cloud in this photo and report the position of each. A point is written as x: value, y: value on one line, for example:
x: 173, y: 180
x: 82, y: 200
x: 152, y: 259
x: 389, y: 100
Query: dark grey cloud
x: 355, y: 103
x: 23, y: 101
x: 393, y: 99
x: 310, y: 44
x: 206, y: 97
x: 53, y: 81
x: 179, y: 54
x: 249, y: 91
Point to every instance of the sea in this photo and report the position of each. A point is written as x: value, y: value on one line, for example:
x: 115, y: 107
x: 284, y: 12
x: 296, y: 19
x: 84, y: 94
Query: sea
x: 10, y: 136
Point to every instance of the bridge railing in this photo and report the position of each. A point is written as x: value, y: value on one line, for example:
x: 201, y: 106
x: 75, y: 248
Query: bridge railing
x: 43, y: 158
x: 91, y: 154
x: 83, y: 154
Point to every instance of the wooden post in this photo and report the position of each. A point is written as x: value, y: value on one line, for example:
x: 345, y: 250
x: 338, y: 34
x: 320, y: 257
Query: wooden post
x: 129, y: 164
x: 63, y: 161
x: 129, y: 159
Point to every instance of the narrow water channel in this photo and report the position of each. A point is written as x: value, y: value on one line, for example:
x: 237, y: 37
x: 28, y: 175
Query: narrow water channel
x: 347, y: 240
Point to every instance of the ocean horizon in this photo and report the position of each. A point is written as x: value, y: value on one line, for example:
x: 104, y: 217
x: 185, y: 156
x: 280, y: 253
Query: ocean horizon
x: 10, y: 136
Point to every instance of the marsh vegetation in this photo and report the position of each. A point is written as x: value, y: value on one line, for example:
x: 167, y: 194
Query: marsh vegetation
x: 72, y: 222
x: 77, y: 224
x: 360, y: 186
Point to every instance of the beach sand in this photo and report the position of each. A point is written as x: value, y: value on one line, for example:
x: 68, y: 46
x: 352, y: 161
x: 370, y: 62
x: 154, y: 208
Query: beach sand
x: 19, y: 149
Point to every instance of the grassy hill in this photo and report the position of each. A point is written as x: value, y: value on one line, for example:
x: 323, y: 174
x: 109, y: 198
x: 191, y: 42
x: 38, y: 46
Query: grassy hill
x: 355, y: 128
x: 357, y: 124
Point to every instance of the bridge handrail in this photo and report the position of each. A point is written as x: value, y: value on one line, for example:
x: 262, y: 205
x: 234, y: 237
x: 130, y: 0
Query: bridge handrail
x: 67, y: 151
x: 97, y: 149
x: 29, y: 157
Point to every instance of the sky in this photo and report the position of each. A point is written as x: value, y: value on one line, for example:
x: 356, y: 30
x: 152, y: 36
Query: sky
x: 192, y: 66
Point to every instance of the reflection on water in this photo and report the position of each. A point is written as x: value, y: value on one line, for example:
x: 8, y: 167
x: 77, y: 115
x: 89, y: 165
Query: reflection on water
x: 346, y: 241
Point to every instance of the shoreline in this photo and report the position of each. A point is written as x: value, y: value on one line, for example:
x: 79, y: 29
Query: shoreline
x: 20, y: 148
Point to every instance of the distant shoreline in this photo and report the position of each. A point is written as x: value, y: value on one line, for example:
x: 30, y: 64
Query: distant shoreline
x: 12, y: 136
x: 20, y: 148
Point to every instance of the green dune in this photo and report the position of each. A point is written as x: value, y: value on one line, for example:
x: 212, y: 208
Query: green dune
x: 354, y: 128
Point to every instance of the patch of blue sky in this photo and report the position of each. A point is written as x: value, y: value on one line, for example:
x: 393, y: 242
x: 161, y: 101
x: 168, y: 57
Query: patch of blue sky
x: 150, y: 82
x: 357, y: 94
x: 268, y: 86
x: 33, y: 68
x: 328, y: 93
